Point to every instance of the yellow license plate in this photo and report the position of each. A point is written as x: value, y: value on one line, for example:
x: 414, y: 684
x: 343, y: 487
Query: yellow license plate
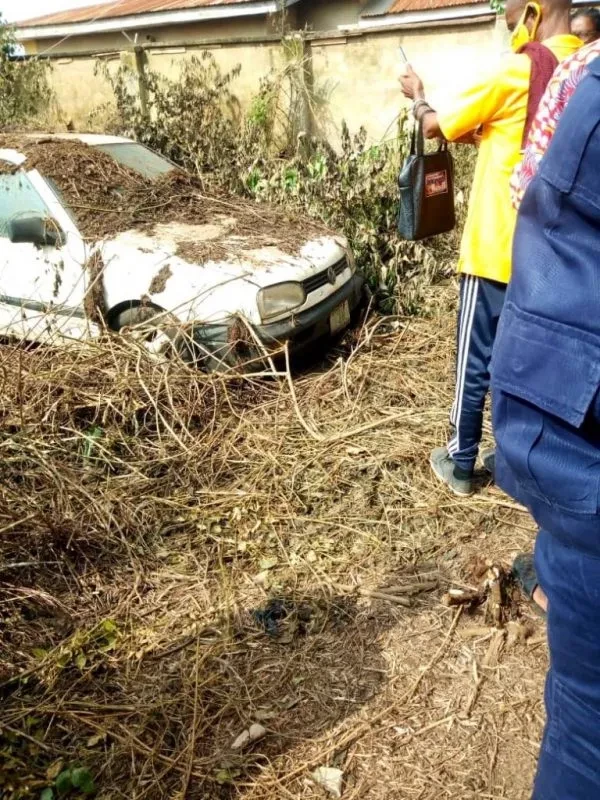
x: 340, y: 317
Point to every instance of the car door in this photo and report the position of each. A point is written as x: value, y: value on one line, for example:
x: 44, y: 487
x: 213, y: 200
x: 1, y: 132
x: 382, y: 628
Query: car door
x: 42, y: 288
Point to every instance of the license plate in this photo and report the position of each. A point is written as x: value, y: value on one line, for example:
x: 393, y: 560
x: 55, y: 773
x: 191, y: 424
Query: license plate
x: 340, y: 317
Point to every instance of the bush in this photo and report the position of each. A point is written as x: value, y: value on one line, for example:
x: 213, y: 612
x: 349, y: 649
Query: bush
x: 196, y: 121
x: 24, y: 90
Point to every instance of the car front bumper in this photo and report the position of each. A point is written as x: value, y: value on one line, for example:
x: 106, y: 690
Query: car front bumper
x: 234, y: 343
x: 313, y: 324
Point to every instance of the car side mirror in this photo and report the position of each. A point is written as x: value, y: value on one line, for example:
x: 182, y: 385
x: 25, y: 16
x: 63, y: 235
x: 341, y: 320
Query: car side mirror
x: 39, y: 231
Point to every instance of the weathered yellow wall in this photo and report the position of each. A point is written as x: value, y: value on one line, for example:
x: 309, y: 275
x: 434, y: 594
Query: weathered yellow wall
x: 78, y: 90
x: 256, y: 60
x: 360, y: 77
x: 357, y: 75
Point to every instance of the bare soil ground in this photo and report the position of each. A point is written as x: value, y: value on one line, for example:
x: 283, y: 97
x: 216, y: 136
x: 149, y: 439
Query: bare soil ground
x: 182, y: 556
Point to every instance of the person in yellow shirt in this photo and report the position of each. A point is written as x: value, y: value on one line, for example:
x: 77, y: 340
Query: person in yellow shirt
x: 498, y: 107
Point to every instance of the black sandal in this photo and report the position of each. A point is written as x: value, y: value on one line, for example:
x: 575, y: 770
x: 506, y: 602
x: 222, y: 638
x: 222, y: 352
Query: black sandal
x: 525, y: 576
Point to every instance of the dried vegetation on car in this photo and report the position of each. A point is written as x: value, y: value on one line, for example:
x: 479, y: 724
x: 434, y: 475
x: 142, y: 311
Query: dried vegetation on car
x: 108, y: 198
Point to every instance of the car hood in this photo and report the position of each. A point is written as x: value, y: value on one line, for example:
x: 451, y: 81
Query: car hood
x: 202, y: 272
x: 216, y: 255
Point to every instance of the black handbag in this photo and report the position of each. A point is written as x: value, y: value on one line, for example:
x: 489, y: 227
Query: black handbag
x: 426, y: 184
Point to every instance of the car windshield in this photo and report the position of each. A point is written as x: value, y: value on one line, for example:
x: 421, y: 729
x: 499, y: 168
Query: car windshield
x: 139, y: 158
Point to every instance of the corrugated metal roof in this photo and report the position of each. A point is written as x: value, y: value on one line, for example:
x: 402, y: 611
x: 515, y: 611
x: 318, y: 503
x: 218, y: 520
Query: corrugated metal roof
x: 380, y: 8
x: 128, y: 8
x: 428, y: 5
x: 121, y: 8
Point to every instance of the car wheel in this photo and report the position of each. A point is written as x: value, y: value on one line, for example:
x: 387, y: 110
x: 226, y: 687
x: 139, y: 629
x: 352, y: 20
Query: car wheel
x: 153, y: 327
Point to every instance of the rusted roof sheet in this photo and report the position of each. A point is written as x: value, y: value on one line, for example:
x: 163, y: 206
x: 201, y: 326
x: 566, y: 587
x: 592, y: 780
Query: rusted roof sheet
x: 121, y: 8
x: 382, y: 8
x: 399, y: 6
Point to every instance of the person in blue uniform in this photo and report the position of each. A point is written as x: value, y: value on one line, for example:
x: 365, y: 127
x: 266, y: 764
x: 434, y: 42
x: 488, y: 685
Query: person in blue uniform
x: 546, y: 413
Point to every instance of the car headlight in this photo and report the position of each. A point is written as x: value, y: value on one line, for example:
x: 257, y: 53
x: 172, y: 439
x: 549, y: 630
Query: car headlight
x: 276, y: 300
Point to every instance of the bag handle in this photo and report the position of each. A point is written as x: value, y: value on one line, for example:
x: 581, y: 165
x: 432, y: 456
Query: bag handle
x: 417, y: 141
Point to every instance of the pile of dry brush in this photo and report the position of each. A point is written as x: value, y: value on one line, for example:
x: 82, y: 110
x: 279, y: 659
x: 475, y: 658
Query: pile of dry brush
x: 184, y: 555
x: 108, y: 198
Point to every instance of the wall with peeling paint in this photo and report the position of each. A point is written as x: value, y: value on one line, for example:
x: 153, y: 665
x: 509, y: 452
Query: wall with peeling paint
x: 354, y: 76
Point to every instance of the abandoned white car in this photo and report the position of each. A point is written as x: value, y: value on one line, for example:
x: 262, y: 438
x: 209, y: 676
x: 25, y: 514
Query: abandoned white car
x: 100, y: 232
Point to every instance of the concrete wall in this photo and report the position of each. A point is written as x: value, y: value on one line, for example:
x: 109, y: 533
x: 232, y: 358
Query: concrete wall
x: 359, y: 75
x: 356, y: 75
x: 78, y: 90
x: 217, y: 30
x: 257, y: 61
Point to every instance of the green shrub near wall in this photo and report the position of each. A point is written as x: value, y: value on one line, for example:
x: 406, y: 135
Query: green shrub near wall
x: 24, y: 90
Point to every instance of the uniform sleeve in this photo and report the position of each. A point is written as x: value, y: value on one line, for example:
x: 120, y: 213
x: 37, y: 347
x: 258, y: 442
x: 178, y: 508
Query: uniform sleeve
x: 482, y: 101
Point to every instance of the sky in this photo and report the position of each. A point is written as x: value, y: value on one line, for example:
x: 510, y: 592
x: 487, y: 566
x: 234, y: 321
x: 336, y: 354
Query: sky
x: 15, y: 10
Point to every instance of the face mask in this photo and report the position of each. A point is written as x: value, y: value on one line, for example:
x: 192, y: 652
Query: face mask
x: 521, y: 35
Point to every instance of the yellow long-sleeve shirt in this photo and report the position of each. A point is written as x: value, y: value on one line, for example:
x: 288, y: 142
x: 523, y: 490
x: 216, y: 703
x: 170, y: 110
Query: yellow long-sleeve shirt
x: 498, y: 103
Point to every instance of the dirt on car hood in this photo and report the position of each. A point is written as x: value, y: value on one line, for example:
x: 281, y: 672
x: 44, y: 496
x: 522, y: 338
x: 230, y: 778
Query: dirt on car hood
x: 107, y: 198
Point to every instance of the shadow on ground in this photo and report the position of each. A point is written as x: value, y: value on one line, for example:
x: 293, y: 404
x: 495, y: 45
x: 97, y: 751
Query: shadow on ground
x: 157, y: 715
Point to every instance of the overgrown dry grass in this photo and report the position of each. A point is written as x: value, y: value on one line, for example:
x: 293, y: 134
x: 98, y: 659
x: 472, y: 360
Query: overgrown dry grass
x: 146, y: 511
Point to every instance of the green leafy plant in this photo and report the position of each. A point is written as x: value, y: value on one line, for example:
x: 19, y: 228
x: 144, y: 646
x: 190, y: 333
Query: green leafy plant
x: 24, y: 90
x: 354, y: 190
x: 72, y: 782
x: 86, y: 650
x: 194, y: 120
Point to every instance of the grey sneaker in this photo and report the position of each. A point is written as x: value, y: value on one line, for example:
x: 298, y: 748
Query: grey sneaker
x: 457, y: 480
x: 488, y: 459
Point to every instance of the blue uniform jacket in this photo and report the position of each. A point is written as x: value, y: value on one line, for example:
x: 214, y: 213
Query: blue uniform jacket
x: 546, y: 362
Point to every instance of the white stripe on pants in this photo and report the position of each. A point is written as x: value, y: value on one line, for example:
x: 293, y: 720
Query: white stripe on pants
x: 465, y: 327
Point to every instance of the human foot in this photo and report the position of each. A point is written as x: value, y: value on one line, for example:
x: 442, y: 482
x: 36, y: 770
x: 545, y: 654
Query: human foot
x: 524, y: 574
x: 457, y: 480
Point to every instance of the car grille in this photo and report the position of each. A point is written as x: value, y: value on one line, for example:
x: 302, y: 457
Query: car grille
x: 322, y: 278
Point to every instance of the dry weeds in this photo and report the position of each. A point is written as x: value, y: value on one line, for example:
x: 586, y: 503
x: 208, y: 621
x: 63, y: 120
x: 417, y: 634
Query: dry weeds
x: 108, y: 198
x: 149, y: 513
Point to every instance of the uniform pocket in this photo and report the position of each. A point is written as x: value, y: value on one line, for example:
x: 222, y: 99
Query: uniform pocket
x: 551, y: 365
x: 517, y: 429
x: 564, y: 468
x: 549, y: 459
x: 549, y: 376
